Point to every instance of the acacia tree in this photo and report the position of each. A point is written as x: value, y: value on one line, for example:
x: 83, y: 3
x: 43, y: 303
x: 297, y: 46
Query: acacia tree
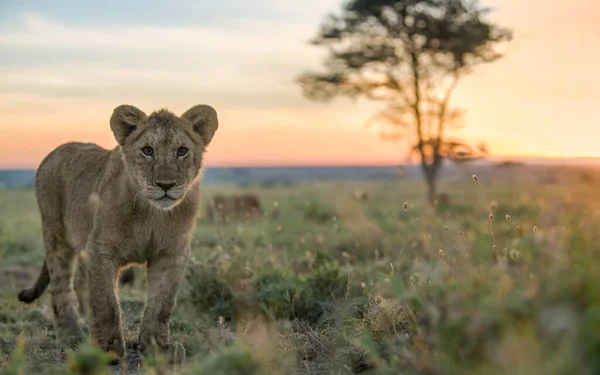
x: 410, y: 54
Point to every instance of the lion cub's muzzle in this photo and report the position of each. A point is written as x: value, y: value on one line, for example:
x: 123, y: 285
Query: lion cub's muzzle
x: 165, y: 193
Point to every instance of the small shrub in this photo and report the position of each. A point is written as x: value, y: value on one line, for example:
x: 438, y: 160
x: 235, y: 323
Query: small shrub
x: 88, y: 360
x: 319, y: 212
x: 278, y: 295
x: 312, y: 299
x: 325, y: 289
x: 209, y: 292
x: 233, y: 360
x: 327, y: 282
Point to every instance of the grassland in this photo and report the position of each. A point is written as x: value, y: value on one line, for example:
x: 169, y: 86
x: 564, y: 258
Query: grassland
x: 502, y: 279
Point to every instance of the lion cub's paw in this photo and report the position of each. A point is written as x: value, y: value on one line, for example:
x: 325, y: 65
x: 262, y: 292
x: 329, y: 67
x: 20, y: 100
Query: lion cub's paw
x: 114, y: 346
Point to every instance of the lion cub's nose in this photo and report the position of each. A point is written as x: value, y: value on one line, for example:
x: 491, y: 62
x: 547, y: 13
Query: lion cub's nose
x: 165, y: 185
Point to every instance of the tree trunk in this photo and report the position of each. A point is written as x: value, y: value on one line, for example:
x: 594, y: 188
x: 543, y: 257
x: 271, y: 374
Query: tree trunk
x: 431, y: 186
x: 430, y: 172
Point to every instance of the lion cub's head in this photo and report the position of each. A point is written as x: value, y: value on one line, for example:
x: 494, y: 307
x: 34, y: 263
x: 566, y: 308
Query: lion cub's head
x: 163, y: 152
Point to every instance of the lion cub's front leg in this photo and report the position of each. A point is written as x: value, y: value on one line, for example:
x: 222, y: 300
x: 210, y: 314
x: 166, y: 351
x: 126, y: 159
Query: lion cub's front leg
x: 164, y: 276
x: 103, y: 302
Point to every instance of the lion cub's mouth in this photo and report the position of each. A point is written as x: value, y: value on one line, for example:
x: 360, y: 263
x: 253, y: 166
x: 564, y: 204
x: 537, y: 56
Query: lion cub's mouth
x: 166, y: 198
x: 165, y: 202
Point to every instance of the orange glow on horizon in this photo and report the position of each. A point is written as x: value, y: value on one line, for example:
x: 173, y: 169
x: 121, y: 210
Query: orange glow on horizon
x: 254, y: 145
x: 540, y: 100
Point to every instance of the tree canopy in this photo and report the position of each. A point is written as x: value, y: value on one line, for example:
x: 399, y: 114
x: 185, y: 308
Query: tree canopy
x: 410, y: 54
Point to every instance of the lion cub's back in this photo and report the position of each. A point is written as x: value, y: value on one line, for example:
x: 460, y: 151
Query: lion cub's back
x: 64, y: 182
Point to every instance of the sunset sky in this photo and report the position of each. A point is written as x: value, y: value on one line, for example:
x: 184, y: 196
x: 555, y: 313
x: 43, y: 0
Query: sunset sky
x: 65, y: 66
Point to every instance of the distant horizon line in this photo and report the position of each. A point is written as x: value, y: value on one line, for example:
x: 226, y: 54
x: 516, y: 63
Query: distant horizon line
x: 495, y: 159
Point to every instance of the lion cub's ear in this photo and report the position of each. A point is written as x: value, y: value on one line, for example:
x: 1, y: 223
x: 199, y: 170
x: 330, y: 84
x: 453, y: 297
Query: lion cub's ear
x: 204, y: 120
x: 124, y: 120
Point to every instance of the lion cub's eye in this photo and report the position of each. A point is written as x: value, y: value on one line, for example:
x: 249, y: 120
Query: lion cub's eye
x: 148, y: 151
x: 182, y: 151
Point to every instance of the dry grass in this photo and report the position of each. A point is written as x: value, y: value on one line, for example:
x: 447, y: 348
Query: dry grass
x: 326, y: 283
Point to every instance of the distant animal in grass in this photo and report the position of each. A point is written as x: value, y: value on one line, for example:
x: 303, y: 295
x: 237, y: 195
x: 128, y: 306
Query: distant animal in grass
x: 361, y: 195
x: 233, y: 207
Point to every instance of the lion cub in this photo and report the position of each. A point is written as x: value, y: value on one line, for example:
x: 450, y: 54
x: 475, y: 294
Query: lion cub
x: 136, y: 203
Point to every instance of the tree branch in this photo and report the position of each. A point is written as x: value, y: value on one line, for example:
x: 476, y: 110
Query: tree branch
x: 443, y: 108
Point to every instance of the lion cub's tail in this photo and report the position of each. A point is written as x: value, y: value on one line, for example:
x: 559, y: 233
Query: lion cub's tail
x: 29, y: 295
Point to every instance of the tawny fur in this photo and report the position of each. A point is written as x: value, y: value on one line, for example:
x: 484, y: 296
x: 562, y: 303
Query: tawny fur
x: 117, y: 207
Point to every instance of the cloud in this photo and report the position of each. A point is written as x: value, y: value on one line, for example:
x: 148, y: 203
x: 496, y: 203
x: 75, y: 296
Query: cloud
x: 210, y: 43
x: 64, y: 79
x: 254, y: 61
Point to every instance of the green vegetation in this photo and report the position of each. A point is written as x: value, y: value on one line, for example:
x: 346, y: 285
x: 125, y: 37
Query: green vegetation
x: 501, y: 279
